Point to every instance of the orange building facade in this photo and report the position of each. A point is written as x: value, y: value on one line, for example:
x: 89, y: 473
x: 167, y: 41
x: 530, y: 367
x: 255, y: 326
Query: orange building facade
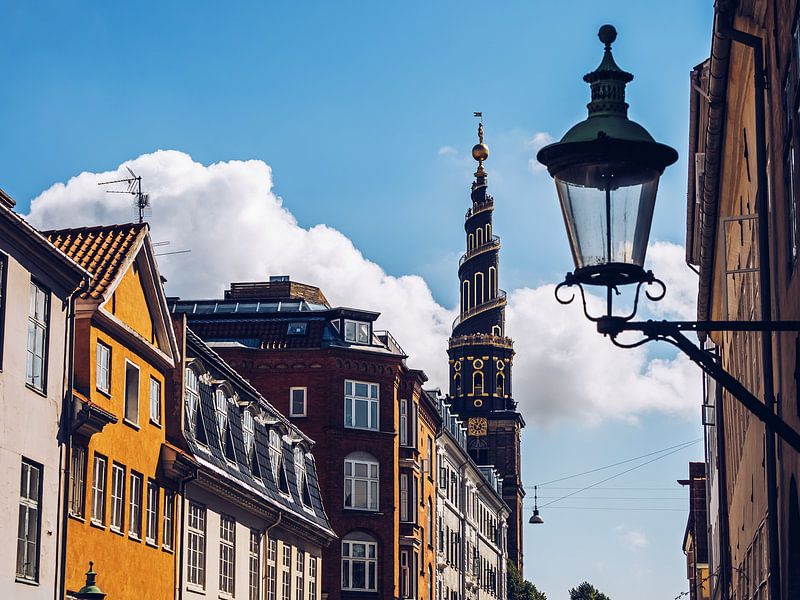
x: 122, y: 500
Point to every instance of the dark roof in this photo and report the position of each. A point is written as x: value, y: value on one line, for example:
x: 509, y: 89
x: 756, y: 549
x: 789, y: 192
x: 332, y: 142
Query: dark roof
x: 277, y: 288
x: 253, y: 475
x: 102, y: 250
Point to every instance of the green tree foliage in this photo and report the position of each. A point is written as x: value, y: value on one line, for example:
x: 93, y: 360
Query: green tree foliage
x: 519, y: 589
x: 586, y: 591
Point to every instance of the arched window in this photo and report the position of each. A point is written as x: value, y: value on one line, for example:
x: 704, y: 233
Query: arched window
x: 497, y: 330
x: 276, y: 461
x: 248, y: 432
x: 477, y: 383
x: 465, y: 296
x: 361, y: 481
x: 479, y: 237
x: 301, y: 475
x: 359, y: 562
x: 501, y: 384
x: 479, y: 298
x: 488, y: 232
x: 192, y: 384
x: 492, y: 282
x: 470, y: 241
x: 221, y: 412
x: 457, y: 383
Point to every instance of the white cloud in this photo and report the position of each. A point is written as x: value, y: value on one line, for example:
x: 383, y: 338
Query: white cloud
x: 238, y: 230
x: 447, y: 150
x: 537, y: 142
x: 633, y: 539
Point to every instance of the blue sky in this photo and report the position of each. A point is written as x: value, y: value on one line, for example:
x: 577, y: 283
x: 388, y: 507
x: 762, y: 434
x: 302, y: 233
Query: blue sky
x: 364, y: 112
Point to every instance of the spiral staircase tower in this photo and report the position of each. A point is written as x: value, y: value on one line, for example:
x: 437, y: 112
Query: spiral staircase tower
x: 481, y: 355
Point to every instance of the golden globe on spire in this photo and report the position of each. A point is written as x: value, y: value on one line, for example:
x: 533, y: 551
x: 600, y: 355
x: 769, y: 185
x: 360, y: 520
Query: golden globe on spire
x: 480, y: 151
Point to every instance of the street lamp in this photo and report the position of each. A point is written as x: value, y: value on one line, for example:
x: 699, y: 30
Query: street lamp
x: 606, y: 170
x: 535, y: 518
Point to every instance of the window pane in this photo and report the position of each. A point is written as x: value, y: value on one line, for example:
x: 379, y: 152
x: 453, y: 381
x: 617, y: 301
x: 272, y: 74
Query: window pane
x: 361, y: 389
x: 359, y: 575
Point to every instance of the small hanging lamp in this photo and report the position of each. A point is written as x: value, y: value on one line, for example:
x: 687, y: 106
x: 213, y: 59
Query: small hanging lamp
x: 535, y: 518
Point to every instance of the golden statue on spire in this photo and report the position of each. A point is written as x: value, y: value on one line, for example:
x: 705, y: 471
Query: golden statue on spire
x: 480, y: 151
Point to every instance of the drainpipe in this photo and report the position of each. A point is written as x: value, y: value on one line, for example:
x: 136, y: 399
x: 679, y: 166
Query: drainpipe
x: 184, y: 481
x: 66, y: 437
x: 266, y: 566
x: 725, y: 570
x: 755, y: 43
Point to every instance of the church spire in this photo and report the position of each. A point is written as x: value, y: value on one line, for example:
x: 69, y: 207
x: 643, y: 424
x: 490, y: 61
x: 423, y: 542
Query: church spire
x: 480, y: 151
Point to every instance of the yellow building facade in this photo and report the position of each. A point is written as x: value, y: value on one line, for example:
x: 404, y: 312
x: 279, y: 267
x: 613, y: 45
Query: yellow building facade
x: 123, y: 497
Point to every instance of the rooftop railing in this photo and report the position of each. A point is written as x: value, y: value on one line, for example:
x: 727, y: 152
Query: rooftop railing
x: 492, y: 244
x: 499, y: 300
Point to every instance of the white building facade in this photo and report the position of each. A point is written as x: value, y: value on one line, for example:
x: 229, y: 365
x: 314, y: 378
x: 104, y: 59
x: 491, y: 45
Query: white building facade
x: 36, y: 284
x: 472, y: 551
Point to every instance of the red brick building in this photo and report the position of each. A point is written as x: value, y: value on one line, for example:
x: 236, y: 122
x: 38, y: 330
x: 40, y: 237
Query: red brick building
x: 339, y: 381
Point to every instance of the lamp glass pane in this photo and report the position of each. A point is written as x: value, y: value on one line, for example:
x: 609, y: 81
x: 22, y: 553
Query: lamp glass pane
x: 607, y: 209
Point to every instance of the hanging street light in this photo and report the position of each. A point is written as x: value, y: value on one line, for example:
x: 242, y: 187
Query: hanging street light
x: 535, y: 518
x: 606, y: 170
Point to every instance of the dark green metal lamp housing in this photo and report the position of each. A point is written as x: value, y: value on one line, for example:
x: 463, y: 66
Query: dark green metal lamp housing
x: 606, y: 170
x: 90, y: 591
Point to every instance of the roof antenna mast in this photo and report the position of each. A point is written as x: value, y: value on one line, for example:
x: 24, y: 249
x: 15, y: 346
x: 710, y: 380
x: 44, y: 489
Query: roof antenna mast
x: 141, y: 200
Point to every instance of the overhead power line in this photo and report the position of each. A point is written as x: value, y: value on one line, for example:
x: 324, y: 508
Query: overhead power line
x: 616, y: 464
x: 639, y: 466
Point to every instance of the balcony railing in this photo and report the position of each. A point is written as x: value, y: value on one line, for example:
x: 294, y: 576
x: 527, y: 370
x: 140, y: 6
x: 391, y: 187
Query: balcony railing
x: 499, y: 300
x: 492, y: 244
x: 480, y: 207
x: 476, y: 339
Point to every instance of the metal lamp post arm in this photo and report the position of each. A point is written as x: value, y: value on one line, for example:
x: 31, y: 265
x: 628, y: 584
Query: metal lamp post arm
x: 671, y: 331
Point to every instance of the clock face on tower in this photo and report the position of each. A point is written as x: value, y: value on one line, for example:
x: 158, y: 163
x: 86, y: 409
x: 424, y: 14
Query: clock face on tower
x: 476, y: 426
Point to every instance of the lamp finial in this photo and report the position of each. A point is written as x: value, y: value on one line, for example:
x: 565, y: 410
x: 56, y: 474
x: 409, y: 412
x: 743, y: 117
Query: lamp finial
x: 480, y: 151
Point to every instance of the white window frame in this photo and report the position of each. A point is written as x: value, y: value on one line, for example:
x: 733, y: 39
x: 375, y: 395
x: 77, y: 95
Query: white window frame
x: 248, y: 433
x: 151, y: 528
x: 286, y: 572
x: 118, y: 475
x: 221, y: 414
x: 301, y: 476
x: 77, y: 484
x: 168, y: 521
x: 30, y: 521
x: 191, y: 384
x: 135, y: 497
x: 126, y: 407
x: 312, y: 578
x: 372, y: 400
x: 403, y: 422
x: 292, y: 411
x: 369, y: 558
x: 404, y: 497
x: 254, y: 565
x: 103, y: 367
x: 196, y: 546
x: 370, y: 481
x: 359, y: 335
x: 155, y: 401
x: 272, y: 569
x: 99, y: 482
x: 299, y: 575
x: 227, y: 555
x: 38, y: 325
x: 277, y: 462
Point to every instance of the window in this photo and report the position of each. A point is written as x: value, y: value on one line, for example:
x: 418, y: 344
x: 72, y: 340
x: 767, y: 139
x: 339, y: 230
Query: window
x: 192, y: 395
x: 299, y: 576
x: 248, y: 432
x: 276, y: 461
x: 501, y: 384
x: 286, y: 572
x: 254, y: 585
x: 155, y: 401
x: 77, y: 481
x: 117, y: 497
x: 99, y: 469
x: 361, y: 481
x: 296, y: 329
x: 131, y: 393
x: 196, y: 545
x: 135, y: 506
x: 431, y: 458
x: 103, y: 373
x: 221, y: 412
x: 359, y: 562
x: 30, y: 497
x: 405, y: 583
x: 403, y: 496
x: 168, y: 536
x: 477, y: 383
x: 151, y: 533
x: 301, y: 475
x: 227, y: 554
x: 312, y: 578
x: 403, y: 422
x: 38, y: 317
x: 357, y: 332
x: 430, y: 523
x: 361, y: 405
x: 272, y: 569
x: 297, y: 402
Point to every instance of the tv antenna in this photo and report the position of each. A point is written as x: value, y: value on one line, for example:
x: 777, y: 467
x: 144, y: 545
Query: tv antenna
x: 141, y: 200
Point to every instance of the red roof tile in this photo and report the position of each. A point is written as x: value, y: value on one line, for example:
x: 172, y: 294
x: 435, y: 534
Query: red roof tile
x: 101, y: 250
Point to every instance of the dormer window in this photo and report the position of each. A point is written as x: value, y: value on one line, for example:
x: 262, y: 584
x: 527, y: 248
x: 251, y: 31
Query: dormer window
x: 276, y: 461
x: 302, y: 475
x: 357, y: 332
x: 192, y: 394
x: 296, y: 328
x: 221, y: 412
x: 248, y: 432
